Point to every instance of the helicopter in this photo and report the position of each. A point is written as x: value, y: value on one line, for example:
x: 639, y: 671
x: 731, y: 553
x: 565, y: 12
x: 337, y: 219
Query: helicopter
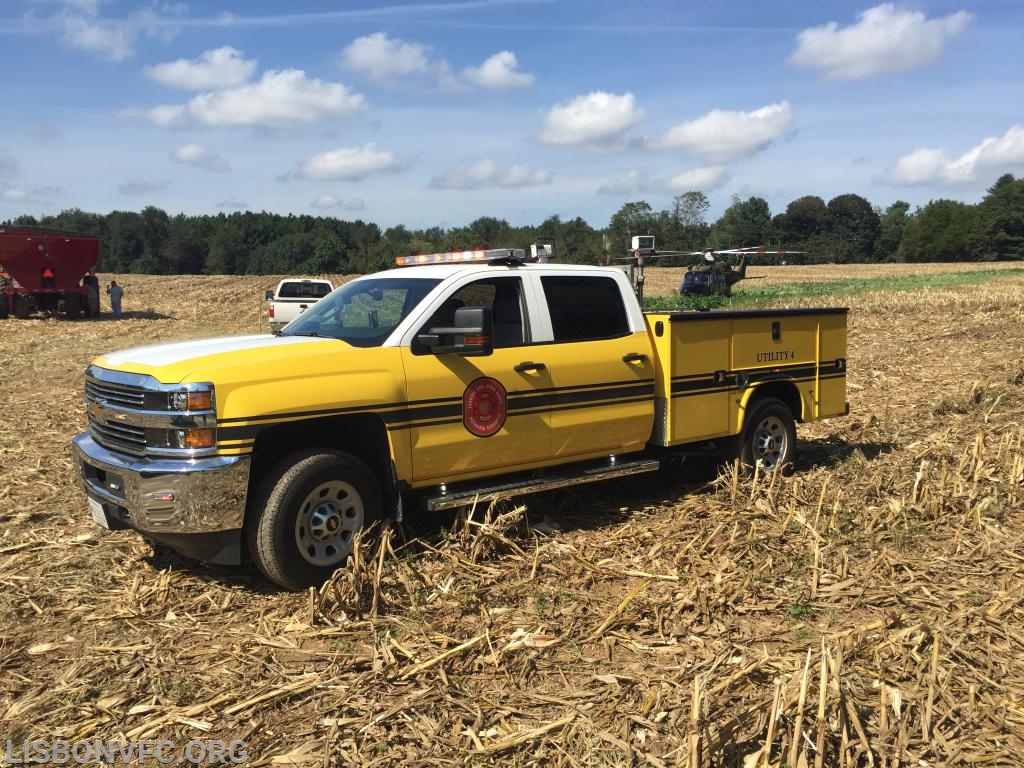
x: 708, y: 275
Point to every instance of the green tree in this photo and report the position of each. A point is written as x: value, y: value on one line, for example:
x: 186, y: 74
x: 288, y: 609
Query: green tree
x: 805, y: 219
x: 940, y: 231
x: 123, y: 244
x: 1000, y: 224
x: 745, y: 223
x: 229, y: 253
x: 892, y: 224
x: 489, y: 232
x: 636, y: 218
x: 155, y: 227
x: 853, y: 228
x: 182, y: 253
x: 690, y: 208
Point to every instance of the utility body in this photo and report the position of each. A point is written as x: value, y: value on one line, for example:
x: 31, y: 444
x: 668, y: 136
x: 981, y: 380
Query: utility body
x: 44, y: 269
x: 436, y: 384
x: 292, y: 297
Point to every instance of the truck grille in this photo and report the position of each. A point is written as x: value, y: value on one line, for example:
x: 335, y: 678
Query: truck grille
x: 120, y: 395
x: 109, y: 434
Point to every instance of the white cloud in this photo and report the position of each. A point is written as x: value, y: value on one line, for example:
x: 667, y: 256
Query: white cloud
x: 598, y: 120
x: 992, y: 156
x: 326, y: 202
x: 80, y: 25
x: 390, y: 61
x: 500, y: 71
x: 884, y: 39
x: 486, y: 173
x: 384, y: 59
x: 199, y: 156
x: 33, y: 195
x: 278, y: 99
x: 349, y: 163
x: 220, y: 68
x: 704, y: 179
x: 112, y: 41
x: 721, y: 135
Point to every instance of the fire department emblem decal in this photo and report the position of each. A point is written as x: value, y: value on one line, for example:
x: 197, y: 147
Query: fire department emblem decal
x: 483, y: 407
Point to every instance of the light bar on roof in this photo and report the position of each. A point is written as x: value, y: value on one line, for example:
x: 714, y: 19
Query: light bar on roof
x: 461, y: 257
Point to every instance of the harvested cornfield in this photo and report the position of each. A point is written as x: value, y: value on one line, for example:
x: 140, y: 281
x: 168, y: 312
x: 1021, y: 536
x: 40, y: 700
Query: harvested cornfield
x: 864, y: 611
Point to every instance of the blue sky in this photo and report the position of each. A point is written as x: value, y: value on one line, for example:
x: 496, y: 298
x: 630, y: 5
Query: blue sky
x: 436, y: 113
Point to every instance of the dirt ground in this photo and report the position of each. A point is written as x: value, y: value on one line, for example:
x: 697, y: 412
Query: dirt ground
x: 864, y: 611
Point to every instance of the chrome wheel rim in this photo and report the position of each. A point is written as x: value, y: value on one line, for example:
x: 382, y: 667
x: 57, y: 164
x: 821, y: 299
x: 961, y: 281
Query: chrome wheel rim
x: 771, y: 442
x: 328, y: 520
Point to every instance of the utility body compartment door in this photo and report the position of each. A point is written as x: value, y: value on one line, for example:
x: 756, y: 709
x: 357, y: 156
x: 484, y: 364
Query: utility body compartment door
x: 701, y: 386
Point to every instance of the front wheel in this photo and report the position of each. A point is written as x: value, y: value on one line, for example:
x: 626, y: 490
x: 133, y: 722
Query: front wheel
x: 307, y: 515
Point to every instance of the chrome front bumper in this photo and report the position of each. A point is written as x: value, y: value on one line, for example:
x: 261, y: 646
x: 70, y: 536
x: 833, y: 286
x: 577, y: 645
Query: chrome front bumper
x: 166, y: 499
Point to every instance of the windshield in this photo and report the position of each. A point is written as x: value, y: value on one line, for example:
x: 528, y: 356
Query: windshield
x: 363, y: 312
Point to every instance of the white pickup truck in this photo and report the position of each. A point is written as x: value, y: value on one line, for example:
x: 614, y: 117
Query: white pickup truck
x: 293, y: 297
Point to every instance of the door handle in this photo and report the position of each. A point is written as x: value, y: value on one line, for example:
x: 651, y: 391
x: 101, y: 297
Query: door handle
x: 634, y: 357
x: 523, y: 367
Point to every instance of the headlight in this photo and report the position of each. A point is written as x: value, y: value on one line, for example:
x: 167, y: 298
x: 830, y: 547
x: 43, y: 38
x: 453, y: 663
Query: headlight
x: 191, y: 400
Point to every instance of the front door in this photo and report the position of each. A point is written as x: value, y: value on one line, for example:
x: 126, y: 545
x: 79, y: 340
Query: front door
x: 470, y: 415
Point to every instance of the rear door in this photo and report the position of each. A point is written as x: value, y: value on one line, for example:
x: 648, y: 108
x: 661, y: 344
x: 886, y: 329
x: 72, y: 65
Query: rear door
x: 602, y: 369
x: 471, y: 415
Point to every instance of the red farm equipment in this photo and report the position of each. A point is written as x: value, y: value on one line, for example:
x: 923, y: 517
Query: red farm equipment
x: 44, y: 270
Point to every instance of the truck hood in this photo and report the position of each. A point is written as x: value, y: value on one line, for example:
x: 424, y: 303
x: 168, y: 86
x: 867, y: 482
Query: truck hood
x: 200, y: 360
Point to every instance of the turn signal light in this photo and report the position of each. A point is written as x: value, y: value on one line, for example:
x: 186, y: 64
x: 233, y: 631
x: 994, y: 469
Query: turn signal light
x: 196, y: 438
x: 201, y: 400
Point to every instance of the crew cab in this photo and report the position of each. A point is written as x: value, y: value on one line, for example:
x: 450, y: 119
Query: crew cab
x: 472, y: 378
x: 292, y: 297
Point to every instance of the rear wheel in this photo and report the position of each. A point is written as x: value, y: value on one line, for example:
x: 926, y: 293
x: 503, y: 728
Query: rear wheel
x: 5, y: 306
x: 73, y: 306
x: 769, y: 436
x: 22, y: 306
x: 307, y: 514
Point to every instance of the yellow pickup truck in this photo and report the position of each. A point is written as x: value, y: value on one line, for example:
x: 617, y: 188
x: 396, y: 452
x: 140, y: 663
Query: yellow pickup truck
x: 467, y: 375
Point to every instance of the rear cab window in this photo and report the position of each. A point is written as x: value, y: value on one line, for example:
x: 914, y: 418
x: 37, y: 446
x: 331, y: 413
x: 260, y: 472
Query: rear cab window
x: 585, y: 307
x: 303, y: 289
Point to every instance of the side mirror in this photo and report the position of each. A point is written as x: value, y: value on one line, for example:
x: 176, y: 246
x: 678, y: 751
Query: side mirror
x: 270, y: 295
x: 471, y: 334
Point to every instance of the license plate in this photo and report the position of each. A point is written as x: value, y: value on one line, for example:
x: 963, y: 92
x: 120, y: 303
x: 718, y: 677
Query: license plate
x: 98, y: 515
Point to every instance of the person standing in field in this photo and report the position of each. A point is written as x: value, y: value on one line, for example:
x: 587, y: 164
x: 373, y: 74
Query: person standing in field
x: 92, y: 296
x: 116, y: 293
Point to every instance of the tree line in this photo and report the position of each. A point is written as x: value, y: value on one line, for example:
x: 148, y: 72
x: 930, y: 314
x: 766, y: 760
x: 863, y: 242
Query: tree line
x: 847, y: 228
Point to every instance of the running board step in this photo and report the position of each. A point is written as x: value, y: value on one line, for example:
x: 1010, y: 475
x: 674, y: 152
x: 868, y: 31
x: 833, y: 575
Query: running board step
x: 487, y: 494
